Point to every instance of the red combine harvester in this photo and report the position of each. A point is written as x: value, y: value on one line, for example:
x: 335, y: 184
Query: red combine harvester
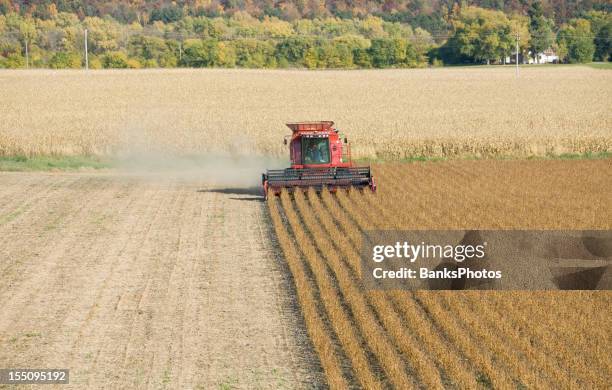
x: 319, y: 159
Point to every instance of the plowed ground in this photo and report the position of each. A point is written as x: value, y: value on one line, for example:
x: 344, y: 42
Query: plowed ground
x: 145, y: 283
x: 471, y: 339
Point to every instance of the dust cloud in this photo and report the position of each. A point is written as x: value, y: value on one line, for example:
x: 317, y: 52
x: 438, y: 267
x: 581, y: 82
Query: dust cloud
x: 232, y: 164
x: 212, y: 169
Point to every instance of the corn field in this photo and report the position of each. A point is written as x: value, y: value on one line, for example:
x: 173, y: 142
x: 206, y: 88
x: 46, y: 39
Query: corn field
x: 391, y: 114
x: 438, y: 339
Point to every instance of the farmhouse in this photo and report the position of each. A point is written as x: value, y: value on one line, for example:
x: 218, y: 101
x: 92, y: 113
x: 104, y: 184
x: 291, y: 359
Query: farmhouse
x: 548, y: 56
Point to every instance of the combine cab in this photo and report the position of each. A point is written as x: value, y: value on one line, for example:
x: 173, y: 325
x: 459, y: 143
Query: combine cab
x: 320, y: 158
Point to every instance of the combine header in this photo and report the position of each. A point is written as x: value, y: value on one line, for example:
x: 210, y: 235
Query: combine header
x: 320, y: 158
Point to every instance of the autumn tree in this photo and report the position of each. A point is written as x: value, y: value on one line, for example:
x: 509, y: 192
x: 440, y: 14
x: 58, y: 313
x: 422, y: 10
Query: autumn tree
x: 541, y: 30
x: 576, y: 37
x: 480, y: 35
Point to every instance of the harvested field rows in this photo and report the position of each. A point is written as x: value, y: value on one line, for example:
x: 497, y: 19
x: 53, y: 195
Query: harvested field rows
x: 145, y: 282
x: 390, y: 114
x: 469, y: 339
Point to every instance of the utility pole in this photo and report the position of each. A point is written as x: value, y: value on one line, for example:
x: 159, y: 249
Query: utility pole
x: 180, y: 42
x: 86, y: 54
x: 518, y: 37
x: 27, y: 54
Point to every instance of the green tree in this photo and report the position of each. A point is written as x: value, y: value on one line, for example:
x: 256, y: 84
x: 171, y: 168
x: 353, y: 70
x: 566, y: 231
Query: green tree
x: 311, y: 58
x: 422, y: 44
x: 201, y: 53
x: 13, y: 61
x: 361, y: 57
x: 253, y: 53
x: 576, y: 36
x: 103, y: 34
x: 62, y: 60
x: 386, y: 52
x: 338, y: 55
x: 153, y: 51
x: 293, y: 50
x: 603, y: 43
x: 480, y: 35
x: 601, y: 27
x: 226, y: 55
x: 540, y: 29
x: 167, y: 14
x: 561, y: 50
x: 5, y: 7
x: 115, y: 59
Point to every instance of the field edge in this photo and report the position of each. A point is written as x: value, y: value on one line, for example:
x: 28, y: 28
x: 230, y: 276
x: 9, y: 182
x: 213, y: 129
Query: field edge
x: 21, y: 163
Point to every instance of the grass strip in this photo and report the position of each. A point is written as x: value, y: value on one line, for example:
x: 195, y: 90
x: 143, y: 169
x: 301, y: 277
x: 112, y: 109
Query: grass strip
x: 52, y: 163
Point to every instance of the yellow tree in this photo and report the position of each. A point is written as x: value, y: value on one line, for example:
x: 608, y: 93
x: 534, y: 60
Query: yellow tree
x: 519, y: 25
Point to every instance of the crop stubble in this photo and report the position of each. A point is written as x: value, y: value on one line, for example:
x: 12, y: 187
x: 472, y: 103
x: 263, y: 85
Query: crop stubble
x: 144, y: 282
x: 459, y: 339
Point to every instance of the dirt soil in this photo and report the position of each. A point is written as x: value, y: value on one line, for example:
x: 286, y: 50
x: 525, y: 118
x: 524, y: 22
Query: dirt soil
x: 137, y: 282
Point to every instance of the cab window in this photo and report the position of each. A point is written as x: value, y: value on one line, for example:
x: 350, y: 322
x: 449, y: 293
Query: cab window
x: 315, y: 150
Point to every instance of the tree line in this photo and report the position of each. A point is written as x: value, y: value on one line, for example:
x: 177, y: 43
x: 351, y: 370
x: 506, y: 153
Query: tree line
x: 471, y: 35
x: 428, y: 14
